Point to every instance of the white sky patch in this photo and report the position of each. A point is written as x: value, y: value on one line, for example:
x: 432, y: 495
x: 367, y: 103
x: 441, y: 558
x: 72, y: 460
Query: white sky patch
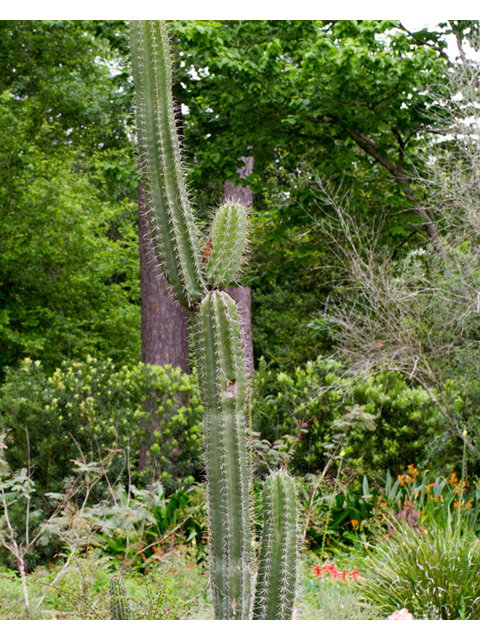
x: 416, y: 24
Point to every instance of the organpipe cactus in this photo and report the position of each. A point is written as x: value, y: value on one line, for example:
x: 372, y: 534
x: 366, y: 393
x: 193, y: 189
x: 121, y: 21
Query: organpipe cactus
x: 197, y: 276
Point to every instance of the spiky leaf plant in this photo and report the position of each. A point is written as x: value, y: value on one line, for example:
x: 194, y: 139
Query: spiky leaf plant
x: 215, y: 334
x: 431, y: 569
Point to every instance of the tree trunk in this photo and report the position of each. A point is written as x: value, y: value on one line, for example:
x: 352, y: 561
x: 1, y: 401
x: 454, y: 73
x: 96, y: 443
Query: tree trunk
x: 243, y: 295
x: 164, y: 320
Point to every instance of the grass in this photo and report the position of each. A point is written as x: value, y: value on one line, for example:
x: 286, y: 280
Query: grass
x: 434, y: 573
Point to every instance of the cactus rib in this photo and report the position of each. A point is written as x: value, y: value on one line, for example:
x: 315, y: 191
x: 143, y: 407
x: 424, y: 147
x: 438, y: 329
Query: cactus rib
x: 118, y: 599
x: 228, y: 233
x: 215, y: 337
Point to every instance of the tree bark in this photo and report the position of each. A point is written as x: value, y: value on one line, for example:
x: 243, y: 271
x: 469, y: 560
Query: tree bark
x: 164, y: 320
x: 243, y: 295
x: 370, y: 148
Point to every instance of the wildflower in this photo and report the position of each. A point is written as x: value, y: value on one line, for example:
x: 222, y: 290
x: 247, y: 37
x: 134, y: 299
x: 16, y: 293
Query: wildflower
x: 403, y: 614
x: 354, y: 524
x: 354, y: 574
x: 317, y: 571
x: 412, y: 470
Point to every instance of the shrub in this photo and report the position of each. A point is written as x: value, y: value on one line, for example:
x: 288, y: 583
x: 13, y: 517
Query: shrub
x: 382, y: 422
x: 431, y: 570
x: 95, y: 406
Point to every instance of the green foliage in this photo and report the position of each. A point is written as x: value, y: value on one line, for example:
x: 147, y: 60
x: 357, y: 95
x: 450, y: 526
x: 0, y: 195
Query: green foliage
x: 323, y: 92
x: 137, y: 528
x: 346, y: 516
x: 175, y: 589
x: 432, y: 568
x: 380, y: 422
x: 96, y: 406
x: 69, y: 261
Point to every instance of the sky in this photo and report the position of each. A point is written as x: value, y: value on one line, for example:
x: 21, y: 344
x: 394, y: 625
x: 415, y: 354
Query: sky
x: 415, y: 24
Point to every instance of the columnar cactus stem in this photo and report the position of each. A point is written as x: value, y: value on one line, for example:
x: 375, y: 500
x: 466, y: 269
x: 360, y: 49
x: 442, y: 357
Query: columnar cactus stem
x: 223, y: 390
x: 227, y: 236
x: 275, y: 590
x: 118, y: 599
x: 171, y: 220
x: 216, y: 339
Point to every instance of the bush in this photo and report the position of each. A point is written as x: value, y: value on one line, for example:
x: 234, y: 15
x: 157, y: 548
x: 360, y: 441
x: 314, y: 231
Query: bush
x: 381, y: 422
x: 95, y: 406
x: 432, y: 571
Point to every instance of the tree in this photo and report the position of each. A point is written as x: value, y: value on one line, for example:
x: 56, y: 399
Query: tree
x: 164, y: 320
x: 69, y: 256
x: 345, y: 100
x: 417, y: 313
x: 241, y: 294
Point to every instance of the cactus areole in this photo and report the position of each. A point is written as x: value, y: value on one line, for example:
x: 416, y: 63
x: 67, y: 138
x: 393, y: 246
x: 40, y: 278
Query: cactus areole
x: 196, y: 271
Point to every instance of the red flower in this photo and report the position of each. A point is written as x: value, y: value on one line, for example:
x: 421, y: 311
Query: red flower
x: 332, y: 570
x: 317, y: 571
x: 354, y: 574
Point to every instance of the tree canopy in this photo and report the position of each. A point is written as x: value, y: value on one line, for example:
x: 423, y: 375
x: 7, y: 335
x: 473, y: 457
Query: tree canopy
x: 69, y: 257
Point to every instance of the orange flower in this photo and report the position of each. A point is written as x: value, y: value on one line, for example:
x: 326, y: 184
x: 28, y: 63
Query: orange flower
x: 354, y: 524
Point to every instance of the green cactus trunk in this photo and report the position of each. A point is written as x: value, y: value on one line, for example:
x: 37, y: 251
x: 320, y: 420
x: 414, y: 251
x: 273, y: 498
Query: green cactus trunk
x: 171, y: 220
x: 119, y: 600
x: 275, y: 590
x: 223, y: 391
x: 215, y: 330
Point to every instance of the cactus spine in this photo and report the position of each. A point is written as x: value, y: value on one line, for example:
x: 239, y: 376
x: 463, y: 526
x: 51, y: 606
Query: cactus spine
x: 118, y: 599
x: 215, y: 335
x: 223, y: 391
x: 172, y: 224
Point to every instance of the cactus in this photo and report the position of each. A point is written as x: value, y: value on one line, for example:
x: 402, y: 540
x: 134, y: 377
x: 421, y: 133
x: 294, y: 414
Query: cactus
x: 275, y: 590
x: 215, y: 336
x: 227, y: 236
x: 118, y: 599
x: 170, y: 217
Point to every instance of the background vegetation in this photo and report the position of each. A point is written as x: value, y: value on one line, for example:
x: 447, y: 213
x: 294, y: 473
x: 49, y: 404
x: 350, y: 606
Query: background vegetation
x: 364, y: 270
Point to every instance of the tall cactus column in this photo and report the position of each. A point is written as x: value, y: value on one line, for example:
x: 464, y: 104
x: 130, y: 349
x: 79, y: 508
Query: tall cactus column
x: 223, y: 392
x: 216, y: 339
